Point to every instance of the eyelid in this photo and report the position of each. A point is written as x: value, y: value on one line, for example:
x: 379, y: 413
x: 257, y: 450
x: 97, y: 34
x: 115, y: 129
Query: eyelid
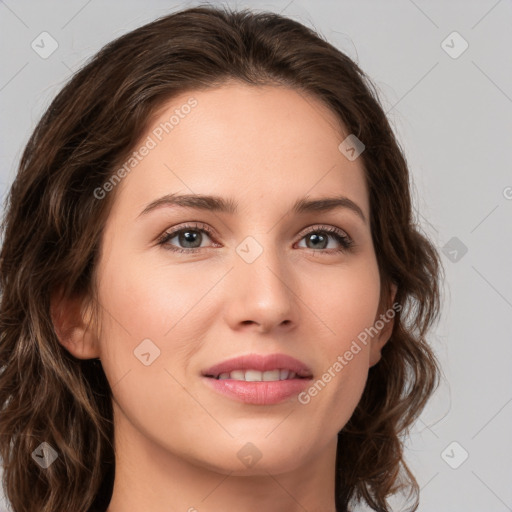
x: 323, y: 227
x: 343, y: 238
x: 194, y: 226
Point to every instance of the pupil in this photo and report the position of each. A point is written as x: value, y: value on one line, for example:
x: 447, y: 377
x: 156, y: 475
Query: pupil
x: 316, y: 237
x: 189, y: 237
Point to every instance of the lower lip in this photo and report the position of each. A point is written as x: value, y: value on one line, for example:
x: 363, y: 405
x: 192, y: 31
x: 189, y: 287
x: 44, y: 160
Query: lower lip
x: 258, y: 393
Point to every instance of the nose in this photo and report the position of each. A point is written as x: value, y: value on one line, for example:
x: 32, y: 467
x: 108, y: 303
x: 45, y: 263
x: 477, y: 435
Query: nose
x: 263, y: 293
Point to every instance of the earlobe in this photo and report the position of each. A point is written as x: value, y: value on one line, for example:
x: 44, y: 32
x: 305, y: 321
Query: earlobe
x: 71, y: 322
x: 384, y: 322
x: 378, y: 343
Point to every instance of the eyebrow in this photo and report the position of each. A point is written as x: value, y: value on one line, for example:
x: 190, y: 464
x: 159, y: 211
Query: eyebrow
x: 230, y: 206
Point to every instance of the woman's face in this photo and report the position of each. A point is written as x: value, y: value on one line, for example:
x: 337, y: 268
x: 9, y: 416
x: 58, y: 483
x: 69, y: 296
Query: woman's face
x: 250, y: 273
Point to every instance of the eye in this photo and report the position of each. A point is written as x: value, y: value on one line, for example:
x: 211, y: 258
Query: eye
x: 319, y: 237
x: 191, y: 236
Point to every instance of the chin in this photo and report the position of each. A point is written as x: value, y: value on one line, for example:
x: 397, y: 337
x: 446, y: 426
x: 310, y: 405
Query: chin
x: 257, y: 456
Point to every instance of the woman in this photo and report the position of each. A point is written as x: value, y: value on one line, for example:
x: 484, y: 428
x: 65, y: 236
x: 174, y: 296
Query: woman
x: 214, y: 295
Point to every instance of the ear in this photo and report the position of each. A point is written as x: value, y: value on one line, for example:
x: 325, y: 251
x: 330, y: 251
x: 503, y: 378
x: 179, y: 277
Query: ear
x: 385, y: 319
x: 71, y: 319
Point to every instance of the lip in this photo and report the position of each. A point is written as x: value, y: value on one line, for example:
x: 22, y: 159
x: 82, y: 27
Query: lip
x: 259, y: 393
x: 261, y: 363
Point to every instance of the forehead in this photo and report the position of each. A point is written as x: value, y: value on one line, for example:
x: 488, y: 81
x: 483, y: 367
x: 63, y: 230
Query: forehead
x: 265, y: 143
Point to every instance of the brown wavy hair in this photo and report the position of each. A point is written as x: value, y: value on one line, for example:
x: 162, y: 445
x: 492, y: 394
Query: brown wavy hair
x: 52, y: 229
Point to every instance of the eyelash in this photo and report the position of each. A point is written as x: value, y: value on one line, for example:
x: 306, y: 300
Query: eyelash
x: 341, y: 237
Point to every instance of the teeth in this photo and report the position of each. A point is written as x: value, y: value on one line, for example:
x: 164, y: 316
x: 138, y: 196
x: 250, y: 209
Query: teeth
x: 271, y: 375
x: 257, y: 376
x: 253, y: 375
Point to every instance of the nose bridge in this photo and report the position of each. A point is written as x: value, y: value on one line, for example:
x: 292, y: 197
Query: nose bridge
x: 263, y: 291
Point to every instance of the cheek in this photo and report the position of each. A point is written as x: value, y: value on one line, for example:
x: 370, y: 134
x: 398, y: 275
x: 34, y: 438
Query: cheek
x: 348, y: 309
x: 153, y: 300
x: 348, y: 302
x: 145, y: 336
x: 150, y: 314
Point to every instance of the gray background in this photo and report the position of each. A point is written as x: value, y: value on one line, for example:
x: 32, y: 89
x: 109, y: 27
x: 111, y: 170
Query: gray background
x: 453, y: 117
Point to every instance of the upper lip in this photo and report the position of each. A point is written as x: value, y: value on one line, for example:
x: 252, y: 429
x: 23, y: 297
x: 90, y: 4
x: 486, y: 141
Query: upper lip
x: 261, y: 363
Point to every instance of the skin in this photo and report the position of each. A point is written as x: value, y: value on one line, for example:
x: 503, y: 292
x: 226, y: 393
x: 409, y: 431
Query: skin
x: 176, y: 440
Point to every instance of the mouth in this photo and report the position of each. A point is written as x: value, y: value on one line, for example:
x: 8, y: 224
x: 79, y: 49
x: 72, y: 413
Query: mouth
x: 259, y: 379
x: 259, y: 368
x: 252, y: 375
